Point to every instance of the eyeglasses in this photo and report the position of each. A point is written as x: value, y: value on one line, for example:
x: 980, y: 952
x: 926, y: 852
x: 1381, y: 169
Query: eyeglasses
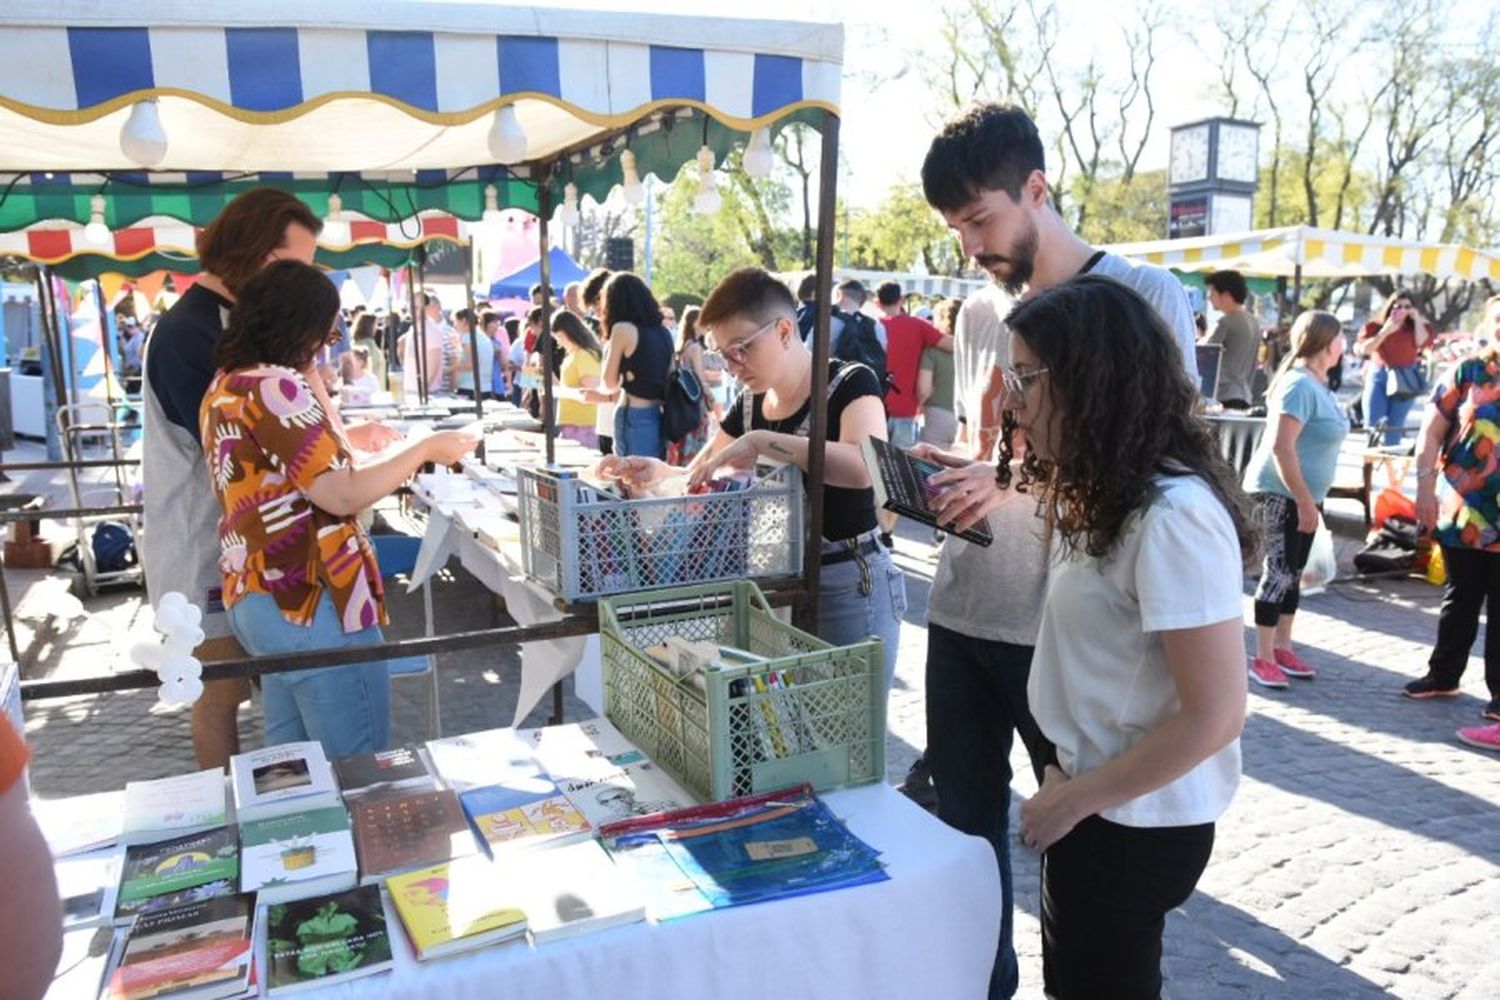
x: 1015, y: 382
x: 737, y: 352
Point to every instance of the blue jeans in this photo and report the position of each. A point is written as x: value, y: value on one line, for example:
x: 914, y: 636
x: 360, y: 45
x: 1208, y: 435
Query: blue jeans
x: 861, y: 597
x: 976, y: 703
x: 347, y: 709
x: 1379, y: 406
x: 638, y: 431
x: 902, y: 431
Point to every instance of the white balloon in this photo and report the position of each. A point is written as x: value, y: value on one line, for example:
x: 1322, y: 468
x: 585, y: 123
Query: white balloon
x: 149, y: 655
x: 192, y: 690
x: 184, y: 639
x: 171, y: 599
x: 168, y: 619
x: 174, y: 692
x: 192, y: 614
x: 178, y: 668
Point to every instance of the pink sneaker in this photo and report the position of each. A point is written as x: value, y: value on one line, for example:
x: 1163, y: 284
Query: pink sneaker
x: 1293, y: 665
x: 1483, y: 737
x: 1266, y: 674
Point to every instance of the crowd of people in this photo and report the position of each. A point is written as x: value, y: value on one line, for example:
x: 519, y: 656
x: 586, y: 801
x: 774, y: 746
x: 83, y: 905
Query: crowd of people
x: 1103, y: 626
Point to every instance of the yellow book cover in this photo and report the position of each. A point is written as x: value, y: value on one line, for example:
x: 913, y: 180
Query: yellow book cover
x: 455, y: 901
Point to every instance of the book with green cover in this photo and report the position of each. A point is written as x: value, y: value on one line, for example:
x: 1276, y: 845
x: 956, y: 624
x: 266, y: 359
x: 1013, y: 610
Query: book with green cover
x: 297, y: 855
x: 173, y: 872
x: 325, y: 940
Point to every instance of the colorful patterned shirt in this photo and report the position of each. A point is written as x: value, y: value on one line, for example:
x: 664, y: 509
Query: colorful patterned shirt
x: 267, y: 439
x: 1469, y: 396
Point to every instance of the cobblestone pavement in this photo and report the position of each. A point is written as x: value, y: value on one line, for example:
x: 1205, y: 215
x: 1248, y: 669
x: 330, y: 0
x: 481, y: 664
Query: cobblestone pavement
x: 1359, y: 859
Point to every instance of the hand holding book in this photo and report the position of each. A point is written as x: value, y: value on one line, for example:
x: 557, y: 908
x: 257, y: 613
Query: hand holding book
x: 967, y: 490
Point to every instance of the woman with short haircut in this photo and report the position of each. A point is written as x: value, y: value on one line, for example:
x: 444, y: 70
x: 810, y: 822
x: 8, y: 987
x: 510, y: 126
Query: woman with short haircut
x: 690, y: 355
x: 298, y: 571
x: 1290, y: 475
x: 580, y: 372
x: 637, y: 358
x: 1138, y: 676
x: 1394, y: 371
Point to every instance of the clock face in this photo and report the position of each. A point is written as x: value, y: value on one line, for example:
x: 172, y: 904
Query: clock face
x: 1189, y: 154
x: 1237, y: 153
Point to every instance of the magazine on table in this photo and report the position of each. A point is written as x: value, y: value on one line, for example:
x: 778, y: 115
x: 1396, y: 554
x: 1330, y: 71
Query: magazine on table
x: 398, y: 769
x: 173, y: 872
x: 202, y: 950
x: 88, y: 885
x: 571, y: 890
x: 902, y: 485
x: 474, y: 760
x: 173, y: 807
x: 280, y: 779
x: 296, y: 855
x: 639, y: 789
x: 524, y: 812
x: 456, y: 906
x: 399, y: 833
x: 326, y: 939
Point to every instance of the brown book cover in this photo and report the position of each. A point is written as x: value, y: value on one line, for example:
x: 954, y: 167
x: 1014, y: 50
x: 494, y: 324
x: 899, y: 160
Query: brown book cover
x: 401, y: 832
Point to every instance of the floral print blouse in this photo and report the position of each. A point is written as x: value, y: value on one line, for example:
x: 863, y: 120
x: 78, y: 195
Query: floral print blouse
x: 266, y: 439
x: 1469, y: 396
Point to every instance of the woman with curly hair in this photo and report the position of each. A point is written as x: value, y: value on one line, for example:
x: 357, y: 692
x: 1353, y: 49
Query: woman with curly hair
x: 1138, y: 676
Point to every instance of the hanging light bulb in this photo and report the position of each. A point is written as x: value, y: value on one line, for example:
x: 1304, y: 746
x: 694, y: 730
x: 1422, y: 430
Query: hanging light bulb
x: 758, y: 158
x: 336, y: 232
x: 143, y: 139
x: 96, y: 232
x: 632, y: 188
x: 507, y: 139
x: 568, y: 214
x: 492, y: 214
x: 708, y: 200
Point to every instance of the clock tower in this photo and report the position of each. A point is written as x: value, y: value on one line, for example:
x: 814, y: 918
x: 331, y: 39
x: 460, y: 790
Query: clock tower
x: 1212, y: 176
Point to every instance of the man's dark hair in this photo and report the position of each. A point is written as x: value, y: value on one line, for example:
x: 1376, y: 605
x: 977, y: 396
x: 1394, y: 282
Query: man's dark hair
x: 989, y: 147
x: 593, y: 287
x: 281, y: 316
x: 626, y: 299
x: 233, y: 247
x: 486, y: 317
x: 888, y: 294
x: 750, y: 292
x: 1230, y: 283
x: 855, y: 289
x: 534, y: 316
x: 807, y: 288
x: 539, y: 289
x: 464, y: 316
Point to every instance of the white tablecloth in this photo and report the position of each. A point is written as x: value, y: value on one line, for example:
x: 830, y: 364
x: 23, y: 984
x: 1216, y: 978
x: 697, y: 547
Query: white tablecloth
x: 928, y: 932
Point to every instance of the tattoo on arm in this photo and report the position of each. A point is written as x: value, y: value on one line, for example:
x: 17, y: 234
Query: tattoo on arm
x: 780, y: 448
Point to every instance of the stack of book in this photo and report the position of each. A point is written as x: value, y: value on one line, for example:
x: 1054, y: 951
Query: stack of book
x: 170, y: 873
x: 276, y: 780
x: 297, y: 855
x: 203, y: 950
x: 173, y: 807
x: 326, y: 939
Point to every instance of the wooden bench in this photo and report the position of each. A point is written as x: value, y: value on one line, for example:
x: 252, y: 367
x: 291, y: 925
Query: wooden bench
x: 1395, y: 458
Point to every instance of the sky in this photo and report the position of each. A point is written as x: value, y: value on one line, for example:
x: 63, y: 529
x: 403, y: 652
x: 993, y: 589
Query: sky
x: 887, y: 114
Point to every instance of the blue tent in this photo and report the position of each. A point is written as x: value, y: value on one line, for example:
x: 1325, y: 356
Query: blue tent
x: 518, y: 285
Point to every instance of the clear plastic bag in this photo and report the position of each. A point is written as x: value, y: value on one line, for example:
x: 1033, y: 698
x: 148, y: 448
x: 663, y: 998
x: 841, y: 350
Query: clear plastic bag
x: 1322, y: 565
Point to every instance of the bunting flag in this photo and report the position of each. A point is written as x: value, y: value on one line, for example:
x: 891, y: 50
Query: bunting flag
x: 182, y: 282
x: 365, y: 279
x: 150, y: 285
x: 113, y: 287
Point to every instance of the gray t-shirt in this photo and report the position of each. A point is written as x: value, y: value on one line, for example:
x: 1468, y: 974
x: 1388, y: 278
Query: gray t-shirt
x: 1237, y: 333
x: 1165, y: 294
x: 992, y: 593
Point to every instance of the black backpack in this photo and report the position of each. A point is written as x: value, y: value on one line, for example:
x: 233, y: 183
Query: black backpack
x: 858, y: 342
x: 682, y: 407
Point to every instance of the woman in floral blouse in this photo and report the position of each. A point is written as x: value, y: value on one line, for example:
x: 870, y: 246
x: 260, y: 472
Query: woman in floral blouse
x: 299, y: 573
x: 1461, y: 443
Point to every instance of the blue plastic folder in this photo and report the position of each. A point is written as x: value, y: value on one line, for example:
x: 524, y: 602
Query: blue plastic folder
x: 768, y: 846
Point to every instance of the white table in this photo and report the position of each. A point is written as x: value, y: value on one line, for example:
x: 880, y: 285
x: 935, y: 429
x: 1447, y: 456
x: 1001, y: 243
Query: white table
x: 930, y: 931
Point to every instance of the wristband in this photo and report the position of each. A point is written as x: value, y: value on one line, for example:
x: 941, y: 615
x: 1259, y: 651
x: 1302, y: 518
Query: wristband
x: 1428, y: 474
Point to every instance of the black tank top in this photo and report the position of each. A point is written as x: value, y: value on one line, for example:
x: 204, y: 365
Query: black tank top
x: 644, y: 373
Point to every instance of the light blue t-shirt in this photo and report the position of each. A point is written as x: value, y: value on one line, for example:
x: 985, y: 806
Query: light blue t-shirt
x: 1324, y: 427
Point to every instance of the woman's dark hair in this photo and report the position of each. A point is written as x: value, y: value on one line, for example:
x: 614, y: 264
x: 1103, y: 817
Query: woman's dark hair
x: 626, y: 299
x: 364, y: 327
x: 282, y: 316
x: 945, y: 315
x: 567, y: 323
x: 512, y: 326
x: 1399, y: 295
x: 1127, y: 413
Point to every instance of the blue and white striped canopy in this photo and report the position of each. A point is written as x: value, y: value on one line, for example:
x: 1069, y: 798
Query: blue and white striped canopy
x: 327, y: 85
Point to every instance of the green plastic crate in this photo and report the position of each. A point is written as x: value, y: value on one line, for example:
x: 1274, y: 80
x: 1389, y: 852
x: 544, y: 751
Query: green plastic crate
x: 827, y: 728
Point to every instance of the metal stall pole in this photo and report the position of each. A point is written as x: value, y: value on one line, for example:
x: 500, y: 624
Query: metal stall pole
x: 419, y: 333
x: 474, y: 341
x: 416, y: 355
x: 48, y: 306
x: 812, y: 552
x: 544, y: 340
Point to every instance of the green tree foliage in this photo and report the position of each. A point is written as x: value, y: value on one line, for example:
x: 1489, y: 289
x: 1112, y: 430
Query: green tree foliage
x: 901, y: 234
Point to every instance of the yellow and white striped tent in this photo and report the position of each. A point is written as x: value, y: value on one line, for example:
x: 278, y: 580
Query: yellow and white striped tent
x: 1303, y: 251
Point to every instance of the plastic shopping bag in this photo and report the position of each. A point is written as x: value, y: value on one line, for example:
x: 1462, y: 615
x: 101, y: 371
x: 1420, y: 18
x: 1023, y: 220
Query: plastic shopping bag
x: 1322, y: 566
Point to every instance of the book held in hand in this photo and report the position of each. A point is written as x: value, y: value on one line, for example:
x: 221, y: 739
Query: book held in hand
x: 173, y: 872
x: 286, y: 778
x: 455, y: 907
x: 173, y: 807
x: 201, y: 950
x: 326, y: 939
x: 901, y: 484
x: 297, y: 855
x: 399, y: 833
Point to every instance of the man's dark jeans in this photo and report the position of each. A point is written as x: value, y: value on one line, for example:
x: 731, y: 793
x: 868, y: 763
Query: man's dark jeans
x: 976, y: 703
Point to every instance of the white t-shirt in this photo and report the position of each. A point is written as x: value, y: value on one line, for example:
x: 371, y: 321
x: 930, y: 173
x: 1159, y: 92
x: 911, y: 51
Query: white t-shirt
x: 359, y: 391
x: 1099, y: 678
x: 1165, y: 294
